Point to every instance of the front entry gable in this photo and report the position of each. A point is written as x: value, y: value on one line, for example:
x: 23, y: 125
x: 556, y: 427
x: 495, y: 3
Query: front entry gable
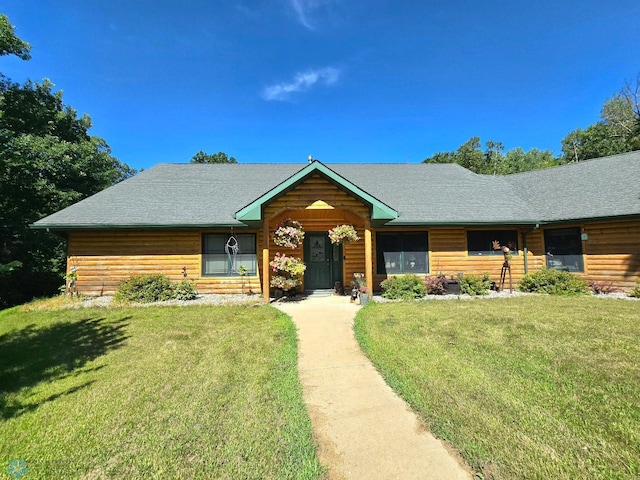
x: 342, y: 194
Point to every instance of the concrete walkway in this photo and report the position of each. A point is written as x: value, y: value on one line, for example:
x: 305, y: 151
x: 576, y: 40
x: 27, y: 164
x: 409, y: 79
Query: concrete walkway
x: 363, y: 429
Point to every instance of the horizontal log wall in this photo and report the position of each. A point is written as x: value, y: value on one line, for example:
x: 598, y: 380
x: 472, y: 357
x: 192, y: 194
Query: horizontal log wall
x: 103, y: 258
x: 317, y: 193
x: 612, y: 252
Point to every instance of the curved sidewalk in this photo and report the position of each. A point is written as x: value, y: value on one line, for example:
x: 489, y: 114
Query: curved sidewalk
x: 363, y: 429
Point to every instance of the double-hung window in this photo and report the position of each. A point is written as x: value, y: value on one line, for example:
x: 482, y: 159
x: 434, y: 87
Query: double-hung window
x: 563, y: 248
x: 481, y: 242
x: 223, y: 254
x: 402, y: 252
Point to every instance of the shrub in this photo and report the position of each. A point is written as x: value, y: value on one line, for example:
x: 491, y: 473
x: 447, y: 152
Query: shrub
x: 436, y: 285
x: 475, y: 285
x: 185, y: 290
x: 603, y: 288
x: 636, y: 291
x: 553, y: 282
x: 405, y: 287
x: 145, y: 288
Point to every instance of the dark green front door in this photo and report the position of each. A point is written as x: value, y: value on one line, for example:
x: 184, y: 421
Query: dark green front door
x: 324, y: 261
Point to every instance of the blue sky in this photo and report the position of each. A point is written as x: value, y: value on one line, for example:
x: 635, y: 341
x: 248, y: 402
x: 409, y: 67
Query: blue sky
x: 342, y: 80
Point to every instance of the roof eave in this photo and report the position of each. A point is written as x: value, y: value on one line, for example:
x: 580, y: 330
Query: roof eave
x: 106, y: 226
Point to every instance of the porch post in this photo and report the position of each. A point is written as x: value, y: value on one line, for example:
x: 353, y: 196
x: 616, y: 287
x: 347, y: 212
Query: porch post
x: 368, y: 256
x: 265, y: 260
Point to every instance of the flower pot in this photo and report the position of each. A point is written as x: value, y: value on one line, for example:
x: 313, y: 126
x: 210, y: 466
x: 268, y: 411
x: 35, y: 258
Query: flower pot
x: 453, y: 287
x: 364, y: 298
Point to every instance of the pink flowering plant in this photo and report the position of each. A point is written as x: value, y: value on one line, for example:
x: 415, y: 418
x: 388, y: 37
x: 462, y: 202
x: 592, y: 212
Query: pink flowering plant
x: 289, y: 234
x: 289, y: 264
x: 289, y: 270
x: 285, y: 283
x: 342, y: 234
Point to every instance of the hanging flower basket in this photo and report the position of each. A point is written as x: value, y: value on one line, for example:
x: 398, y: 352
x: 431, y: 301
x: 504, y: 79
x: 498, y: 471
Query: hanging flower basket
x: 288, y: 234
x: 285, y: 283
x: 286, y: 263
x: 342, y: 234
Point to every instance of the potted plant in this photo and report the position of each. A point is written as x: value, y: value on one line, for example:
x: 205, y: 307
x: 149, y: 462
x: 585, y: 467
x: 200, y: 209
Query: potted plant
x: 284, y: 285
x: 243, y: 271
x: 289, y: 271
x: 289, y: 234
x: 364, y: 296
x: 343, y: 234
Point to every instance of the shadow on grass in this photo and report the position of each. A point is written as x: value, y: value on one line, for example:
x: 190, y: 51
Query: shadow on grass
x: 34, y: 355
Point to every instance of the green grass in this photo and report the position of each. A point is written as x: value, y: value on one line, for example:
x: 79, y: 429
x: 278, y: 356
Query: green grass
x: 157, y: 392
x: 526, y: 388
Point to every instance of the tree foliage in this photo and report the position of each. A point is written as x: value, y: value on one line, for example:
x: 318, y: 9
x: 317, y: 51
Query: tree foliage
x: 491, y: 160
x: 10, y: 44
x: 220, y: 157
x: 48, y: 161
x: 617, y: 131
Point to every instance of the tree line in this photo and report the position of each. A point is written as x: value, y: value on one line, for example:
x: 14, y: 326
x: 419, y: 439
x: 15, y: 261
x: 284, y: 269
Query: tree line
x: 617, y: 131
x: 48, y: 160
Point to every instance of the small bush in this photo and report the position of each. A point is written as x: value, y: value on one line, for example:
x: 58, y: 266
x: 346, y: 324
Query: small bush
x: 405, y: 287
x: 145, y: 288
x: 475, y: 285
x: 636, y: 291
x: 603, y: 288
x: 436, y: 285
x: 553, y: 282
x: 185, y: 290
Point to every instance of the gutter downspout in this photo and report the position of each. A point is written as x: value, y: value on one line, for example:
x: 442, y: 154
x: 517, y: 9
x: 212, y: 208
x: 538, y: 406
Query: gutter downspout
x: 524, y: 247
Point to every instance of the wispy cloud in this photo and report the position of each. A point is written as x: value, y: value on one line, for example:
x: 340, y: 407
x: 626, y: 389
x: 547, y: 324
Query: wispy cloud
x: 302, y: 81
x: 304, y: 9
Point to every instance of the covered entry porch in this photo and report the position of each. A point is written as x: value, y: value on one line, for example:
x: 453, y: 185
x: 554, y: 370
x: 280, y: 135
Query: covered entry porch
x: 319, y: 199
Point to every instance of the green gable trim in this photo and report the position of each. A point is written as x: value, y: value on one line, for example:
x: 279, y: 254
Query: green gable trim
x: 253, y: 211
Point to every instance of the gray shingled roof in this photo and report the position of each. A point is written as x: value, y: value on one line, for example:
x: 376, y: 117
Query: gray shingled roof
x: 187, y: 195
x: 598, y: 188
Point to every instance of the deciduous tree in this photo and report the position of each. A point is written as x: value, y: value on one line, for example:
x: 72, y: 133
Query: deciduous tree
x: 10, y: 44
x: 48, y: 161
x: 220, y: 157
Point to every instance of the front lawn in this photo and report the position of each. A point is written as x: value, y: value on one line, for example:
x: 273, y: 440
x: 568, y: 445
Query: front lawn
x: 526, y: 388
x: 156, y: 392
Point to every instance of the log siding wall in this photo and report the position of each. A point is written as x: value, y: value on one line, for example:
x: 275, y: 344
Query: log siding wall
x: 102, y: 258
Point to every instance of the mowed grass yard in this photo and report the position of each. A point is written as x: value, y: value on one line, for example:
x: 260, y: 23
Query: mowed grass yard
x: 155, y: 392
x: 533, y: 387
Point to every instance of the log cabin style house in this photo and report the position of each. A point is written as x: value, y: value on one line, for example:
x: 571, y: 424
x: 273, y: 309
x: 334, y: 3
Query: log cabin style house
x: 426, y: 219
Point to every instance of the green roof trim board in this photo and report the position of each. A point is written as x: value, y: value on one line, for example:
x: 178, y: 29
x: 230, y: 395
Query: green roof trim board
x: 253, y: 211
